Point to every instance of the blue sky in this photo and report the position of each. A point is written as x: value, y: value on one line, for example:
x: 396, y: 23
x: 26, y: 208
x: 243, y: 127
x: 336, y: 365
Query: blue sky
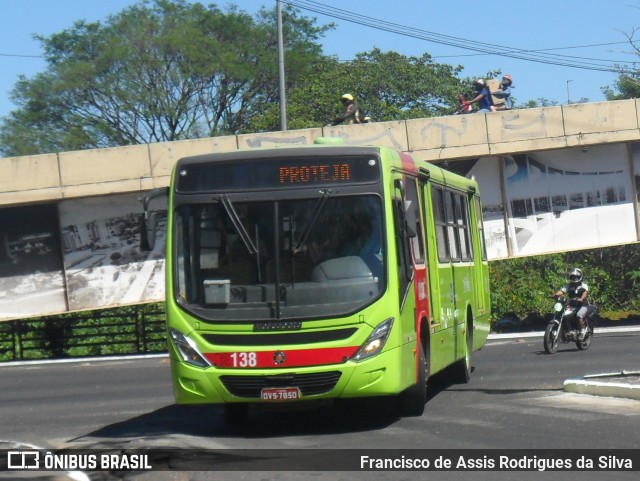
x: 566, y: 29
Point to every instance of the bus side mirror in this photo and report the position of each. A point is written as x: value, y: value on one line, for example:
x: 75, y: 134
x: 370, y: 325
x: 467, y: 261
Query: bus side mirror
x: 149, y: 219
x: 148, y: 225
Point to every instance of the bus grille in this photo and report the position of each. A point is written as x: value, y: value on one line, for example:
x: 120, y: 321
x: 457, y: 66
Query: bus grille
x: 309, y: 384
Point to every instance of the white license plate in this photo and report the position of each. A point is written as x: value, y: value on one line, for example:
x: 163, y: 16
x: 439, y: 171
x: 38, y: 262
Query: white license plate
x: 280, y: 394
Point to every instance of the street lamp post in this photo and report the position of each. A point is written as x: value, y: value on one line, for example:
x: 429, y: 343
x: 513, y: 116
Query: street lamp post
x: 568, y: 96
x: 283, y: 103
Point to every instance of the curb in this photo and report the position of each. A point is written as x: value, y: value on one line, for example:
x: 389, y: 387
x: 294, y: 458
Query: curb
x: 624, y: 384
x: 127, y: 357
x: 540, y: 334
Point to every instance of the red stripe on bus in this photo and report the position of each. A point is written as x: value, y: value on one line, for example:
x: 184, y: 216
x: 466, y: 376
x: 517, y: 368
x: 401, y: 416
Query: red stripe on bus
x: 284, y: 358
x: 408, y: 163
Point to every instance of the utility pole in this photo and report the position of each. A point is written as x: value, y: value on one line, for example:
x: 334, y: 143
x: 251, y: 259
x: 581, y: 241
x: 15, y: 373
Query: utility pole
x: 568, y: 96
x: 283, y: 101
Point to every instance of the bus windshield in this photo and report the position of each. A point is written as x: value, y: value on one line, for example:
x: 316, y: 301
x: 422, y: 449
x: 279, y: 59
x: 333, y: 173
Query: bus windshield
x: 279, y: 259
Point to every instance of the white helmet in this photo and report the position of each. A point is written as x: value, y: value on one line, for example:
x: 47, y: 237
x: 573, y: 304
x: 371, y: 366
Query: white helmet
x: 575, y: 275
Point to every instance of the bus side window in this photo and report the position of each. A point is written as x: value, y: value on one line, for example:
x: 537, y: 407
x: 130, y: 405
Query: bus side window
x: 409, y: 234
x: 405, y: 266
x: 412, y: 209
x: 454, y: 241
x: 462, y: 227
x: 437, y: 199
x: 480, y: 221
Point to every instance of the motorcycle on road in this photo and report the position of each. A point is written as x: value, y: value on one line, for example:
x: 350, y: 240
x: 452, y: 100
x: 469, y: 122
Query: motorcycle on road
x: 563, y: 327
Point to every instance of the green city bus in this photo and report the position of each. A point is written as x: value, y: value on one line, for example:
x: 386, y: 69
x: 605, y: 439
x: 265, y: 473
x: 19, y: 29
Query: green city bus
x: 320, y: 272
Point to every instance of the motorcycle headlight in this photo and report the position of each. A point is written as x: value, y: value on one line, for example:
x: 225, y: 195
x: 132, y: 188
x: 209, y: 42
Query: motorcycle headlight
x: 557, y: 307
x: 187, y: 349
x: 374, y: 344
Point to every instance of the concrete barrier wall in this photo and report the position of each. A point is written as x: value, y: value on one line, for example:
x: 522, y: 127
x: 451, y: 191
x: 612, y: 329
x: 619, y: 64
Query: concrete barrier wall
x: 50, y: 177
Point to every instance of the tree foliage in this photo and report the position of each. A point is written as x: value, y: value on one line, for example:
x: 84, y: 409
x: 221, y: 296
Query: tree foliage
x: 158, y: 71
x: 165, y: 70
x: 521, y: 286
x: 627, y: 86
x: 390, y: 86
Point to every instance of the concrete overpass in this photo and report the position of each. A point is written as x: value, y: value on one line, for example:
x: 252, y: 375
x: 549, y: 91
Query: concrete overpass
x: 68, y: 219
x: 77, y: 174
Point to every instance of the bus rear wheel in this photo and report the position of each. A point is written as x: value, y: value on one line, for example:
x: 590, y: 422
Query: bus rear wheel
x: 412, y: 400
x: 461, y: 369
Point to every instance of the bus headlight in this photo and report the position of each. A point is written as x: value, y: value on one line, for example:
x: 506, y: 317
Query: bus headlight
x: 374, y: 344
x: 187, y: 349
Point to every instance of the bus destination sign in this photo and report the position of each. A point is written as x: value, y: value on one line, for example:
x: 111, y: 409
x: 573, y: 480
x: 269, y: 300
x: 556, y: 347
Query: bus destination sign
x: 273, y: 173
x: 315, y: 173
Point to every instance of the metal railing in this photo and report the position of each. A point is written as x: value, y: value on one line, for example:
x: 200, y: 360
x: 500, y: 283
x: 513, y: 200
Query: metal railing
x: 130, y: 330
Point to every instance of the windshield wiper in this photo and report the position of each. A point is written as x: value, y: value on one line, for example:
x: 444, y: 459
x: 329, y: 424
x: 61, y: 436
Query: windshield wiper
x: 242, y: 232
x: 320, y: 203
x: 239, y: 226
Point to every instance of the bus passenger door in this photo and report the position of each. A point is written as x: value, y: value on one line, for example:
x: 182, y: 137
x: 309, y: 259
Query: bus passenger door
x: 443, y: 288
x: 412, y: 274
x: 481, y: 268
x: 415, y: 226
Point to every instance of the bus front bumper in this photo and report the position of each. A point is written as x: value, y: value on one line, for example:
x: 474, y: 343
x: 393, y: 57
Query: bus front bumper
x: 381, y: 375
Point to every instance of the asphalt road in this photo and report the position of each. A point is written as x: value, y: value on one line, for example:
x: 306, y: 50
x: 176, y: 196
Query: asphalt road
x: 513, y: 401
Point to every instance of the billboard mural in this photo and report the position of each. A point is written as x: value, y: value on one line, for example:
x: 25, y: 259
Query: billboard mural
x: 31, y: 277
x: 84, y: 253
x: 558, y: 200
x: 103, y: 263
x: 635, y: 154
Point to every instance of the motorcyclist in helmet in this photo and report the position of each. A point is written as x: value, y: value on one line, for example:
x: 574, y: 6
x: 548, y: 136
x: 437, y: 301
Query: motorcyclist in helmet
x: 351, y: 112
x: 483, y: 97
x: 577, y: 290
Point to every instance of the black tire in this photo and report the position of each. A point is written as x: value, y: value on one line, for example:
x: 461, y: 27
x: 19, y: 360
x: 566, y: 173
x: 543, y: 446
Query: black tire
x: 411, y: 402
x: 551, y: 338
x: 584, y: 344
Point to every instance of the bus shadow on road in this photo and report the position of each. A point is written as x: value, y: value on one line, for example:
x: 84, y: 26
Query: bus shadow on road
x: 262, y: 421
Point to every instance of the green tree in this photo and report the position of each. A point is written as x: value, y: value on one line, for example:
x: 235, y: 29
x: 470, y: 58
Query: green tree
x: 157, y: 71
x: 540, y: 102
x: 627, y: 86
x: 612, y: 274
x: 390, y: 86
x: 520, y: 286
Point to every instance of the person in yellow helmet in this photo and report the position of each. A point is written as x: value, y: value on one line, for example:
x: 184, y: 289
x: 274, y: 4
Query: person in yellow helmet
x: 351, y: 113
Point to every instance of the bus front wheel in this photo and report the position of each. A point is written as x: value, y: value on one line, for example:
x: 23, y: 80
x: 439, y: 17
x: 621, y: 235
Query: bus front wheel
x: 412, y: 400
